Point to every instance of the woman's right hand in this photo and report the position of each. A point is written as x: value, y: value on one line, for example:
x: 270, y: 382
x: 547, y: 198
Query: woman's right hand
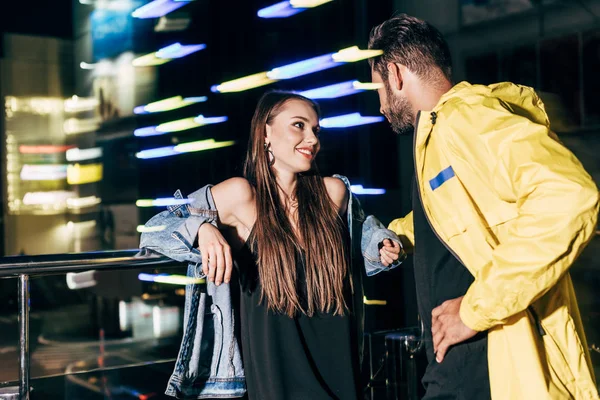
x: 217, y: 261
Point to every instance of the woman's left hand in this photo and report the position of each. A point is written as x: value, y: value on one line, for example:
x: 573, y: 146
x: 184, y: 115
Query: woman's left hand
x: 389, y: 252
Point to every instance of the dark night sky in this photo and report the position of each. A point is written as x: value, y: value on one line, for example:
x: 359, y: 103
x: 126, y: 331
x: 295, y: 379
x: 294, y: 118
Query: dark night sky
x: 37, y: 17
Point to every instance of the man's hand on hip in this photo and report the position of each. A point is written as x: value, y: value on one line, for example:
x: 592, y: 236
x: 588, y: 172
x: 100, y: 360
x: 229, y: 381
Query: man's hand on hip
x: 447, y: 328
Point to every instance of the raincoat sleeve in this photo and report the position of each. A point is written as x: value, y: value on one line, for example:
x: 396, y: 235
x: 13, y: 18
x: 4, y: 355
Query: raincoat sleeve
x: 557, y: 204
x: 404, y: 228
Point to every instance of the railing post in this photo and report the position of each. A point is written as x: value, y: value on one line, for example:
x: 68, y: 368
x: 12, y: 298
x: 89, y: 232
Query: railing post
x: 24, y: 337
x: 38, y: 265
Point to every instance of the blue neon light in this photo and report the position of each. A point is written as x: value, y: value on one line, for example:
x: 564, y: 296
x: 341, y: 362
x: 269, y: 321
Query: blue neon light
x: 178, y: 50
x: 199, y: 99
x: 147, y: 131
x: 332, y: 91
x: 169, y: 201
x: 201, y: 119
x: 359, y: 189
x: 140, y: 110
x: 303, y: 67
x: 279, y: 10
x: 142, y: 276
x: 158, y: 8
x: 348, y: 120
x: 157, y: 152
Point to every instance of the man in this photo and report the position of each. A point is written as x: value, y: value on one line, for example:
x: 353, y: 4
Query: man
x: 500, y: 212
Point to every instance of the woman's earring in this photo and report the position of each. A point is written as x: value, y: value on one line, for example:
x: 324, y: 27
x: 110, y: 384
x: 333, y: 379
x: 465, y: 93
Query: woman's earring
x: 270, y: 156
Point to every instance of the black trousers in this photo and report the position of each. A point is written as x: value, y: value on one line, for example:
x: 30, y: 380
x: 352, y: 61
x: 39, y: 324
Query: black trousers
x: 462, y: 375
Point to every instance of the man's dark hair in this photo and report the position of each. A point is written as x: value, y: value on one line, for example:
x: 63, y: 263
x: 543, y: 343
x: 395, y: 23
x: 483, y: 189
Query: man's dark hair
x: 414, y: 43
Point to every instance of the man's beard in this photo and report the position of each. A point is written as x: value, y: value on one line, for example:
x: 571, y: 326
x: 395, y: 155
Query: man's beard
x: 399, y: 114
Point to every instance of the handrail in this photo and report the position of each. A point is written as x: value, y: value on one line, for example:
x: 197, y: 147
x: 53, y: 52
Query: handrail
x: 25, y: 266
x: 49, y: 264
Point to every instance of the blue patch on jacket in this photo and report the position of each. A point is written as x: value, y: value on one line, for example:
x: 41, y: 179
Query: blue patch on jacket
x: 442, y: 177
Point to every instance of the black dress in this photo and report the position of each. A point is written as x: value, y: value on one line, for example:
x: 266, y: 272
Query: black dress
x: 299, y: 358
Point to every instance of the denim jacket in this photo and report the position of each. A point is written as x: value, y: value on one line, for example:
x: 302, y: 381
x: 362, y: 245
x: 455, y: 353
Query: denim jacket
x: 209, y: 363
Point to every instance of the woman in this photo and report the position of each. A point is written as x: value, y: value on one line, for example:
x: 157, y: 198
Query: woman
x: 286, y: 226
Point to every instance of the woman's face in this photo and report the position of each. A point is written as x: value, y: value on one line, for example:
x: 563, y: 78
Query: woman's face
x: 293, y: 137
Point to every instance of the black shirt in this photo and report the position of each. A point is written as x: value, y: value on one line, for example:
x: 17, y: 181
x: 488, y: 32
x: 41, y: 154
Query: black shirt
x: 439, y: 276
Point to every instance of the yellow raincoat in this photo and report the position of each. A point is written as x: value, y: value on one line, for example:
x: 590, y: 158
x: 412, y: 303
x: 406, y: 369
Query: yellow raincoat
x: 517, y: 208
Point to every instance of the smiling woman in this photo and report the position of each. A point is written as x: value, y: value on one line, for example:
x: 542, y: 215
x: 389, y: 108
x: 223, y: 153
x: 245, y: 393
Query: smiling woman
x: 293, y: 261
x: 287, y: 228
x: 291, y: 131
x: 287, y: 124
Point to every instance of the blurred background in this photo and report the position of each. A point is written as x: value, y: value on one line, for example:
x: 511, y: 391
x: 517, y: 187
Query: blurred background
x: 112, y: 105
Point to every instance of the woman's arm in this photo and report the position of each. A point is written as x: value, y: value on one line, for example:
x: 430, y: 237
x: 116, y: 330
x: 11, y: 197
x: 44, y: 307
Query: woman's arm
x: 233, y: 199
x: 337, y: 191
x: 388, y: 250
x: 176, y: 231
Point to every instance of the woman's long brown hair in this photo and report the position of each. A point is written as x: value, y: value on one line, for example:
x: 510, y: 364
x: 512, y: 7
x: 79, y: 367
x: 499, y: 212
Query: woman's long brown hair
x: 322, y: 230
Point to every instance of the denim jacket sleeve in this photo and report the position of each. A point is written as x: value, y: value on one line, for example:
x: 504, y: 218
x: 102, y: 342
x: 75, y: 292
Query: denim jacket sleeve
x: 173, y: 231
x: 373, y: 233
x: 209, y: 363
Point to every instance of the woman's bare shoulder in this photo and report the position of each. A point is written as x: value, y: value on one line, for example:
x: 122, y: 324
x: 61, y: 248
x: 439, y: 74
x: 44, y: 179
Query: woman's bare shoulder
x: 239, y: 187
x: 338, y: 192
x: 234, y: 198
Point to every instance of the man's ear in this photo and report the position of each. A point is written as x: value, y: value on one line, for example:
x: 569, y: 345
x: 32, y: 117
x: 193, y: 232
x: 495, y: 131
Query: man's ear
x: 395, y: 80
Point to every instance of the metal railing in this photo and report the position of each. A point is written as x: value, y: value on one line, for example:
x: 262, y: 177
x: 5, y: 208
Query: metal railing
x: 22, y: 267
